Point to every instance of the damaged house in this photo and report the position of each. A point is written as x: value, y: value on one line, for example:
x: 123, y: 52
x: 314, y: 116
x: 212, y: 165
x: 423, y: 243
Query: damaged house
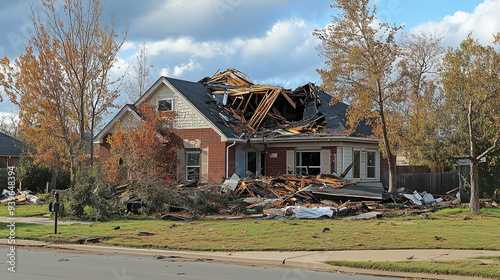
x: 227, y: 125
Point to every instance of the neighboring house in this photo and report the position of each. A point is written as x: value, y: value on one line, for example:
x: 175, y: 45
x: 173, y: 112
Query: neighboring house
x: 232, y: 126
x: 10, y: 150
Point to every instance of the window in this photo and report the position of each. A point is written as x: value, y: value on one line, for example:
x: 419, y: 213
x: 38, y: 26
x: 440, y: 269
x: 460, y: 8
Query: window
x: 370, y: 165
x: 165, y: 105
x: 308, y: 163
x: 192, y: 166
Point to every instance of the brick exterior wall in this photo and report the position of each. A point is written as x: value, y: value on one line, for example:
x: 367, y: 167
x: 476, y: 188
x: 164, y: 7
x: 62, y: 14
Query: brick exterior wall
x: 104, y: 148
x: 333, y: 158
x: 216, y: 150
x: 276, y: 166
x: 209, y: 139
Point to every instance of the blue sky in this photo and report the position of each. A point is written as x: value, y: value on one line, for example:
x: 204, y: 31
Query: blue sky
x: 270, y: 40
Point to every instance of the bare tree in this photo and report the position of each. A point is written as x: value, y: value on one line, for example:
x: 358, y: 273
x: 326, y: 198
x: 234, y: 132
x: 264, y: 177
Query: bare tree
x: 140, y: 78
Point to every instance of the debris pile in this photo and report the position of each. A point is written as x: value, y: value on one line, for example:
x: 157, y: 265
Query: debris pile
x: 327, y: 195
x: 300, y: 196
x: 20, y: 198
x: 423, y: 199
x: 287, y: 190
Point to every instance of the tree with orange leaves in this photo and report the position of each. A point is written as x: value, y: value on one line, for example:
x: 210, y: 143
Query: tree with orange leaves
x: 142, y: 151
x: 62, y: 84
x: 362, y: 69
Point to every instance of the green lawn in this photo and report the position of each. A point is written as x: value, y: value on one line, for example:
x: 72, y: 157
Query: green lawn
x: 460, y: 267
x: 448, y: 231
x: 29, y: 210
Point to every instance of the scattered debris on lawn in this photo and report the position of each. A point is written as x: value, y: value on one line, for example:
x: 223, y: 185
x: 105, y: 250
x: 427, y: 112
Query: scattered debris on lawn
x: 171, y: 217
x: 304, y: 197
x: 92, y: 239
x: 20, y: 198
x: 294, y: 196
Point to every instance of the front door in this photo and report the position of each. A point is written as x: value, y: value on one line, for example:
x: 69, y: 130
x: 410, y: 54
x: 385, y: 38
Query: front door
x: 252, y: 162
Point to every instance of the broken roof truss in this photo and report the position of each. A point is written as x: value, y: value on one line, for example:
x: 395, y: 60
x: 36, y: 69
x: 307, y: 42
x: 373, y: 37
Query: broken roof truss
x: 262, y: 109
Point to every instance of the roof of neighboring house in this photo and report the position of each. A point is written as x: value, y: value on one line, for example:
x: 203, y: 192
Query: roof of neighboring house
x: 10, y: 146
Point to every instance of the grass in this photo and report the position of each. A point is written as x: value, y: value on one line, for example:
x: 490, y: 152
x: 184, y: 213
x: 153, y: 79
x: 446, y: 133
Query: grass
x: 459, y: 267
x: 443, y: 231
x: 465, y: 212
x: 447, y: 229
x: 488, y: 257
x: 28, y: 210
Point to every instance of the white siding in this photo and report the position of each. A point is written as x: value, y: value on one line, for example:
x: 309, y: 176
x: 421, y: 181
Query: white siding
x: 126, y: 120
x: 187, y: 117
x: 325, y: 161
x: 347, y: 161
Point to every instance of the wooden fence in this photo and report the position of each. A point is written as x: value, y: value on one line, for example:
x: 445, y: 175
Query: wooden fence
x: 433, y: 183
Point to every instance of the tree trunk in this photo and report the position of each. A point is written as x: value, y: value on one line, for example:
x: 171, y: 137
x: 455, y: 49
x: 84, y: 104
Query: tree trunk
x: 92, y: 146
x: 393, y: 176
x: 474, y: 188
x: 72, y: 173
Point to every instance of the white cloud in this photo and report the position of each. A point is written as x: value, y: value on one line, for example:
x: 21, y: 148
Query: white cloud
x: 283, y: 36
x: 187, y: 45
x: 8, y: 118
x: 128, y: 46
x: 287, y: 44
x: 179, y: 70
x: 285, y: 52
x: 482, y: 22
x: 120, y: 67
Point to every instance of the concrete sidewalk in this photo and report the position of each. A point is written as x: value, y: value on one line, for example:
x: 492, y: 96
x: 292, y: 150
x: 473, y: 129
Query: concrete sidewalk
x: 311, y: 260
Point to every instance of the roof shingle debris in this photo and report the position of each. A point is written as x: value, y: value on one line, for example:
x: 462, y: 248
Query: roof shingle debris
x: 264, y: 110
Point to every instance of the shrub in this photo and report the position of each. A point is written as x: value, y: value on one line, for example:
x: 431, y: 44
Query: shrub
x: 90, y: 197
x: 33, y: 177
x: 211, y: 201
x: 155, y: 197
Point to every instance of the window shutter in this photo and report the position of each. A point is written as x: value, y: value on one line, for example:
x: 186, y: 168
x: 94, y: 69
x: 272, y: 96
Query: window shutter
x: 290, y: 162
x: 181, y: 170
x: 340, y: 162
x: 326, y: 165
x: 204, y: 165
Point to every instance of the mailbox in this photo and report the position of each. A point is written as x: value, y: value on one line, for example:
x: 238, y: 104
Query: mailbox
x: 53, y: 206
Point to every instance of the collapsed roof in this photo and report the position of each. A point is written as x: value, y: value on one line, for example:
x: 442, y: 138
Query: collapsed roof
x: 252, y: 110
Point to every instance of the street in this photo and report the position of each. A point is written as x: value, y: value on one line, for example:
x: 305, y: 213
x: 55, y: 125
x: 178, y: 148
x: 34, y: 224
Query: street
x: 39, y: 263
